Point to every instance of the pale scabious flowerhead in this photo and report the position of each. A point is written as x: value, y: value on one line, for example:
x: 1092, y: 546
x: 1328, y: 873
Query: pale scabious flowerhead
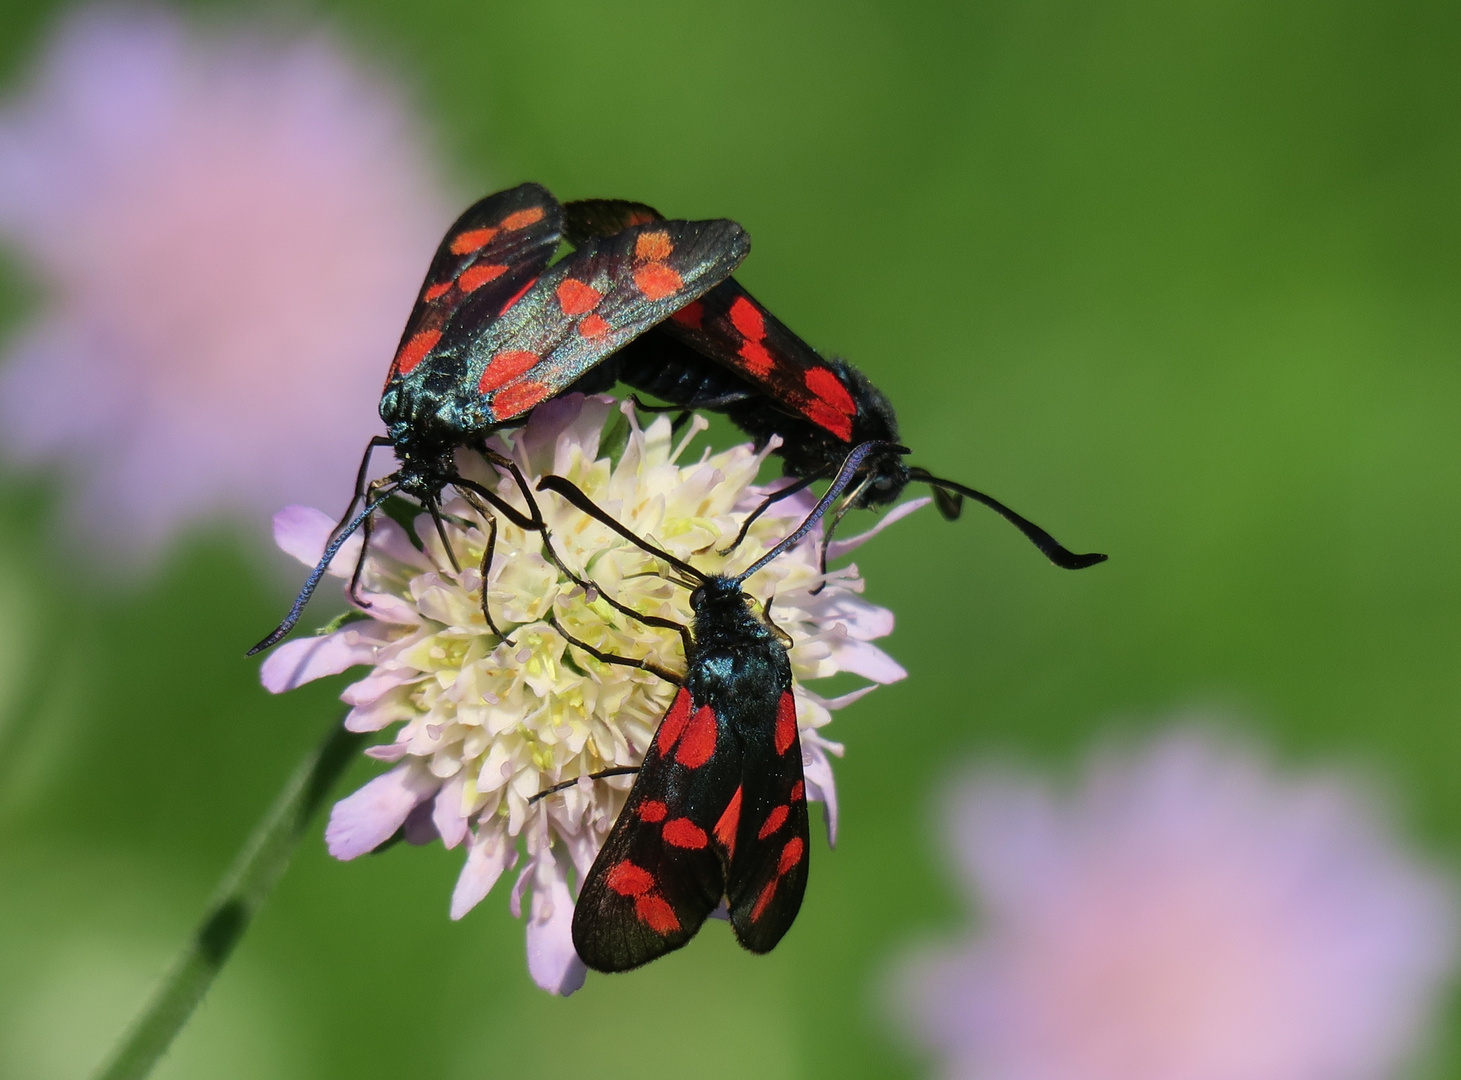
x: 486, y: 725
x: 1187, y: 915
x: 228, y: 231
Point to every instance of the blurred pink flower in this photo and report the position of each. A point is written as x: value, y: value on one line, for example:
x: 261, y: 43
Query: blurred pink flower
x: 230, y: 231
x: 1187, y: 915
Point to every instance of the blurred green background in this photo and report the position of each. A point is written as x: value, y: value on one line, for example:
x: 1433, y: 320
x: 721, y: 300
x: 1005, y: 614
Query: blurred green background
x: 1179, y: 281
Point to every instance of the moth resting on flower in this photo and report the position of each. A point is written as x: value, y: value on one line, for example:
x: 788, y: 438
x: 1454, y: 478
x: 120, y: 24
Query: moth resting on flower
x: 482, y: 725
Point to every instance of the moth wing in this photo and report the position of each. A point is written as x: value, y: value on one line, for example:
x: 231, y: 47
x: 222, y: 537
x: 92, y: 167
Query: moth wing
x: 732, y: 327
x: 585, y: 307
x: 662, y: 869
x: 768, y: 870
x: 586, y: 219
x: 498, y: 245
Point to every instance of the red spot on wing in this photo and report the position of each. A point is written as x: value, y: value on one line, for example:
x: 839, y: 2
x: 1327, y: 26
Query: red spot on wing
x: 747, y: 319
x: 698, y: 746
x: 519, y: 398
x: 785, y: 723
x: 517, y: 295
x: 504, y: 367
x: 656, y: 281
x: 626, y: 879
x: 730, y: 821
x: 674, y: 722
x: 681, y: 832
x: 824, y: 416
x: 829, y: 388
x: 474, y: 277
x: 774, y: 820
x: 790, y: 855
x: 657, y: 914
x: 764, y: 900
x: 593, y: 326
x: 653, y: 245
x: 521, y: 219
x: 574, y: 297
x: 690, y: 315
x: 472, y: 240
x: 798, y: 792
x: 653, y: 810
x: 415, y: 350
x: 758, y: 361
x: 436, y: 292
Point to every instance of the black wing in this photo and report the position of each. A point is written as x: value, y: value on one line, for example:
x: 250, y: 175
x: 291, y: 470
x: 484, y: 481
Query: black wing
x: 731, y: 327
x: 587, y: 306
x: 768, y: 868
x: 496, y: 247
x: 662, y: 869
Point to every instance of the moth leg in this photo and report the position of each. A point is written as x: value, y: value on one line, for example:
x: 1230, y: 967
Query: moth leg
x: 837, y: 517
x: 360, y: 486
x: 775, y: 496
x: 365, y: 530
x: 610, y: 658
x: 487, y: 552
x: 618, y: 770
x: 435, y: 510
x: 781, y: 635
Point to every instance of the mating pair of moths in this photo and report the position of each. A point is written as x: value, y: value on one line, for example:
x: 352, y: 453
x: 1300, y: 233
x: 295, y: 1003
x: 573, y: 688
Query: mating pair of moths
x: 718, y: 810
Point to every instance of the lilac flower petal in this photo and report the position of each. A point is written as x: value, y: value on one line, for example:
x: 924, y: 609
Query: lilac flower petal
x: 552, y: 961
x: 388, y: 752
x: 303, y: 532
x: 418, y: 827
x: 859, y: 618
x: 303, y: 660
x: 488, y: 857
x: 838, y: 548
x: 361, y: 822
x: 817, y: 772
x: 865, y: 659
x: 447, y: 814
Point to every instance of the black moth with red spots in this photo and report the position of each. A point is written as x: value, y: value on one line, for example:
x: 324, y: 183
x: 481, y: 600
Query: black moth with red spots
x: 719, y: 809
x: 495, y: 331
x: 769, y: 381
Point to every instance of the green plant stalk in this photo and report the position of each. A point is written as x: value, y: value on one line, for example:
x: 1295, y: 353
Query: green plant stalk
x: 245, y: 887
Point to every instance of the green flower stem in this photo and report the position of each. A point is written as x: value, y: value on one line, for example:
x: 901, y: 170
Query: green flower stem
x: 244, y: 889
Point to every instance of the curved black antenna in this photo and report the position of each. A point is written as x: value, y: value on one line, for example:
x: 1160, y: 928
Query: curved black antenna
x: 318, y: 572
x: 574, y: 494
x: 1050, y: 547
x: 839, y: 484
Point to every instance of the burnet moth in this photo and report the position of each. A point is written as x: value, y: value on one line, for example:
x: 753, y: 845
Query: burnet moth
x: 718, y: 810
x: 495, y: 331
x: 769, y: 381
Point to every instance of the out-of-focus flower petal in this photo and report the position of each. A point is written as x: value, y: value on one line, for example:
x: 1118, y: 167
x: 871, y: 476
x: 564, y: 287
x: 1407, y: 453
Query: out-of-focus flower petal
x: 361, y: 822
x: 230, y: 228
x: 1188, y: 912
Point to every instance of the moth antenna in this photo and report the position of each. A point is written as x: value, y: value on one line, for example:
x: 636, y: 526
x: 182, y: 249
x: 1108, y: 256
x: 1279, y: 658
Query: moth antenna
x: 1050, y: 547
x: 844, y: 476
x: 574, y: 494
x: 331, y: 550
